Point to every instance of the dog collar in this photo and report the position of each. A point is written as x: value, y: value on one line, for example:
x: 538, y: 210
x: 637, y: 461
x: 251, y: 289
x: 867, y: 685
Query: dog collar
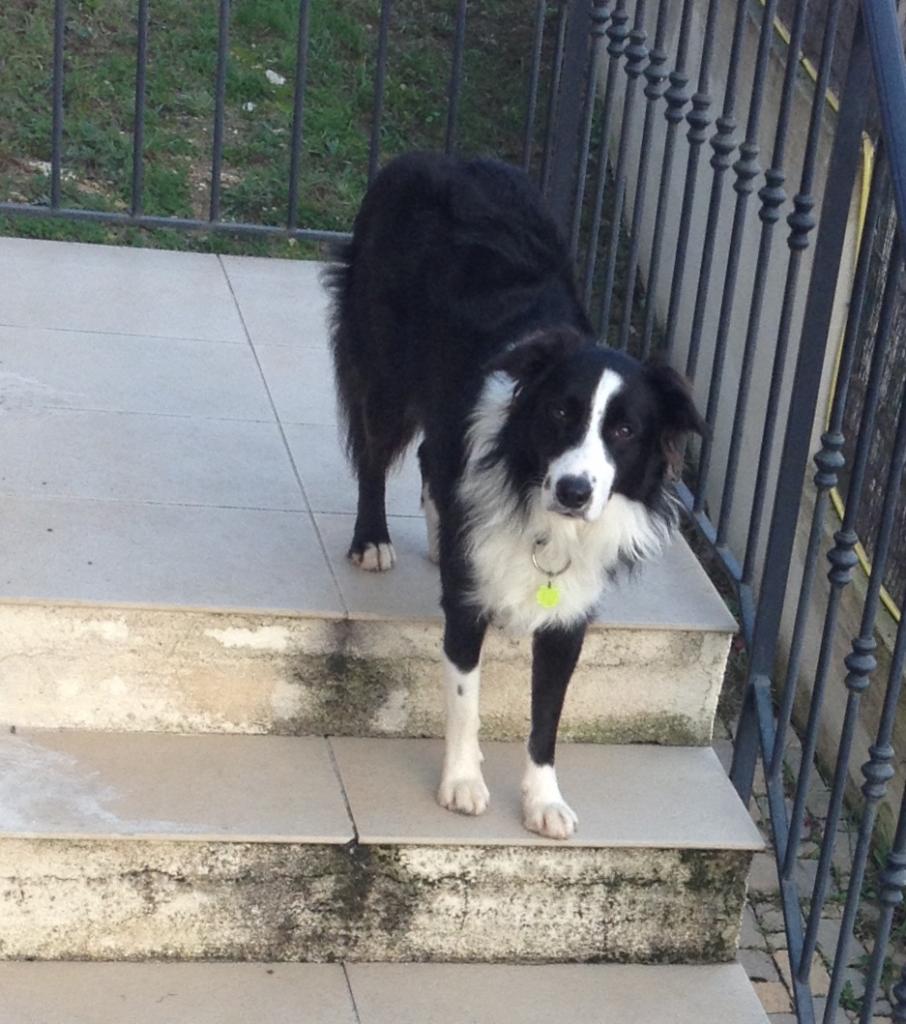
x: 548, y: 595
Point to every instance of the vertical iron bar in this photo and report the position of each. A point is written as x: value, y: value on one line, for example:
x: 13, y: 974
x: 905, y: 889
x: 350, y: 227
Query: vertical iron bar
x: 459, y: 44
x: 723, y: 142
x: 676, y: 96
x: 878, y: 771
x: 618, y: 34
x: 801, y: 222
x: 843, y: 560
x: 829, y: 459
x: 567, y: 136
x: 893, y: 879
x: 534, y: 79
x: 760, y: 692
x: 223, y: 45
x: 636, y: 58
x: 656, y: 77
x: 882, y: 26
x: 806, y: 383
x: 380, y: 77
x: 138, y: 127
x: 698, y: 119
x: 772, y: 196
x: 860, y: 664
x: 56, y: 158
x: 295, y: 159
x: 600, y: 15
x: 746, y: 169
x: 553, y: 98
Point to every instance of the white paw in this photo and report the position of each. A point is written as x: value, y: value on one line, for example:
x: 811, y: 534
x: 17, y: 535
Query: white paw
x: 552, y: 820
x: 375, y: 558
x: 464, y: 795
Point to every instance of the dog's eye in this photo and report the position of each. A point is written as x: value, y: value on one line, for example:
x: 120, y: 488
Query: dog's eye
x: 622, y: 431
x: 558, y: 413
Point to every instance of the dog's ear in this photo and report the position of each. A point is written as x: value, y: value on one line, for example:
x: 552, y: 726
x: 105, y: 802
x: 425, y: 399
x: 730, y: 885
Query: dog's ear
x: 535, y: 354
x: 679, y: 416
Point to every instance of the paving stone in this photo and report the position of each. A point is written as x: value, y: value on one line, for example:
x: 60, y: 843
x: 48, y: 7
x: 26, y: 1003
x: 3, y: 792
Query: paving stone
x: 751, y: 935
x: 759, y: 965
x: 777, y: 940
x: 774, y: 996
x: 763, y: 874
x: 819, y: 980
x: 842, y: 859
x: 855, y: 978
x: 792, y: 758
x: 771, y: 918
x: 818, y: 800
x: 806, y: 873
x: 828, y: 936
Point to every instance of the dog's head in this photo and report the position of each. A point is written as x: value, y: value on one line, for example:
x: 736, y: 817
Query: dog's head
x: 587, y: 422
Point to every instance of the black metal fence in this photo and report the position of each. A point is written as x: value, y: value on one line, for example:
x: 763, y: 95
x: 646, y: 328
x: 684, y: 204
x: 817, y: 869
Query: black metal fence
x: 678, y: 256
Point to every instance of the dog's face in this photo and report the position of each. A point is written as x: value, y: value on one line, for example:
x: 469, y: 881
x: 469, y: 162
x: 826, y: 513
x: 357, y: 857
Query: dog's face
x: 588, y: 422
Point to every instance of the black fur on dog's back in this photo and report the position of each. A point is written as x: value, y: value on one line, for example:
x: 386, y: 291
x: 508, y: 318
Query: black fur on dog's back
x: 450, y: 262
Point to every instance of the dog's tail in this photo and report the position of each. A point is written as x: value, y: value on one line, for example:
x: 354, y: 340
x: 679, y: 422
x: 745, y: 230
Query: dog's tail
x: 338, y: 279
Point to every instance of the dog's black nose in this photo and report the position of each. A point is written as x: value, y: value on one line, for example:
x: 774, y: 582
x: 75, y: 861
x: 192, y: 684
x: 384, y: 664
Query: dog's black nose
x: 573, y: 492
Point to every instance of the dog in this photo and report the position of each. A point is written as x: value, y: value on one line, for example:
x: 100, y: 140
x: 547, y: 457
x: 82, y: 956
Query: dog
x: 546, y: 459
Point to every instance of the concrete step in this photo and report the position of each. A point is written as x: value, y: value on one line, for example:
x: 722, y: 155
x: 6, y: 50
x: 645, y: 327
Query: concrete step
x: 278, y: 993
x: 651, y: 670
x: 176, y: 509
x: 137, y: 846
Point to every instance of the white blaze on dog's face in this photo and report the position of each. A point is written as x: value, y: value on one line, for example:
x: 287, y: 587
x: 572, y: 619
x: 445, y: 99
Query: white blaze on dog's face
x: 579, y: 481
x: 585, y: 423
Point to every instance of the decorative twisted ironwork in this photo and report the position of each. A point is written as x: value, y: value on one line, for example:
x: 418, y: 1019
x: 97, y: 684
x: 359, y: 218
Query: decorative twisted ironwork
x: 656, y: 71
x: 893, y: 882
x: 842, y: 558
x: 698, y: 119
x: 636, y: 58
x: 656, y: 83
x: 677, y: 97
x: 617, y: 33
x: 861, y: 664
x: 724, y: 143
x: 829, y: 461
x: 747, y: 169
x: 599, y: 16
x: 801, y: 222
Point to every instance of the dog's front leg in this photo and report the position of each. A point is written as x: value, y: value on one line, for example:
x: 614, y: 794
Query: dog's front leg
x: 554, y: 656
x: 462, y: 786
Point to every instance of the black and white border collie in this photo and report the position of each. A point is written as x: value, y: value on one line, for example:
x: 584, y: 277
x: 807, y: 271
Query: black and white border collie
x: 545, y: 458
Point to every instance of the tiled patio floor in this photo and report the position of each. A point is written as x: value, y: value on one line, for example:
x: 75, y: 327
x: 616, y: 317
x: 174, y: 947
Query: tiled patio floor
x: 169, y: 437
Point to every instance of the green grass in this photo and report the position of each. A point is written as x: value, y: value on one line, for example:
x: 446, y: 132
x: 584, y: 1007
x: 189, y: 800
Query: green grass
x: 99, y: 86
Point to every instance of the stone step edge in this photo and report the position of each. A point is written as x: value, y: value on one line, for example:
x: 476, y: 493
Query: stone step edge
x: 78, y: 785
x: 140, y: 670
x: 276, y: 993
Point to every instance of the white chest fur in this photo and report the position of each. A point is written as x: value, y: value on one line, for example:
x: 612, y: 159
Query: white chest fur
x: 500, y: 537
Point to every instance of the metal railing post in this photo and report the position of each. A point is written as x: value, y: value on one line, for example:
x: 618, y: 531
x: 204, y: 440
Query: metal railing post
x: 841, y: 177
x: 567, y: 126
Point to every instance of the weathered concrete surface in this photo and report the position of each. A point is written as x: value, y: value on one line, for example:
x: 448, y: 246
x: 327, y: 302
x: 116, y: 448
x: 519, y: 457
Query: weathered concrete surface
x: 263, y: 901
x: 194, y: 671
